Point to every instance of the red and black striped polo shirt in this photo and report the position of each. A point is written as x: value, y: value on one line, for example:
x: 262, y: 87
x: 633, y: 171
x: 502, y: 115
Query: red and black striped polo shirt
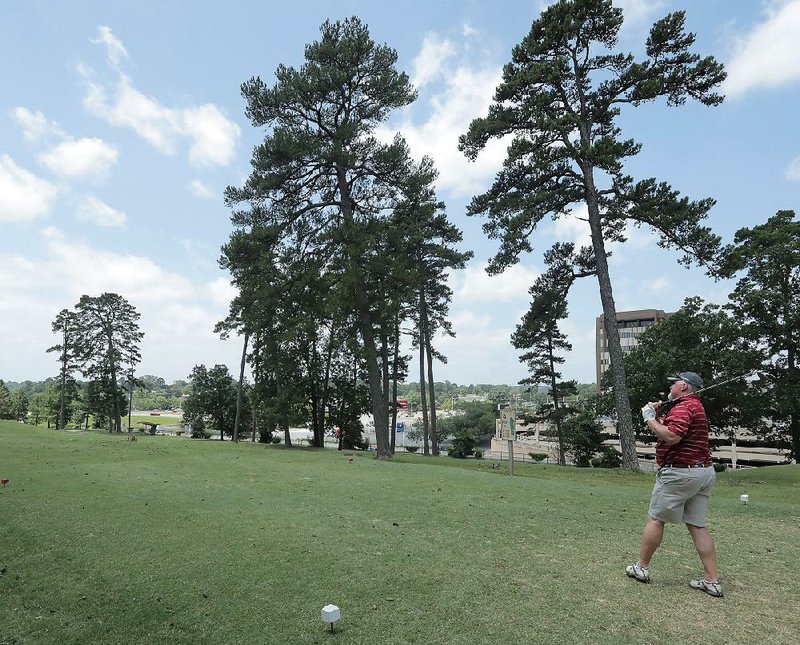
x: 688, y: 420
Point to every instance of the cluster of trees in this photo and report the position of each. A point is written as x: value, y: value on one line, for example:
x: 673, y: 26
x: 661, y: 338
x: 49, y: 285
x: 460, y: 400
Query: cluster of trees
x: 99, y: 338
x: 39, y: 401
x: 340, y: 244
x: 154, y: 393
x: 758, y: 329
x: 13, y: 404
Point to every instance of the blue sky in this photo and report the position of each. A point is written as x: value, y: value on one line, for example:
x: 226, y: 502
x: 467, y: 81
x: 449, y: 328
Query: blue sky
x: 121, y: 123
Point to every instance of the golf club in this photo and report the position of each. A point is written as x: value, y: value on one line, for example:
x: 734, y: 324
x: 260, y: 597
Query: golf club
x: 749, y: 377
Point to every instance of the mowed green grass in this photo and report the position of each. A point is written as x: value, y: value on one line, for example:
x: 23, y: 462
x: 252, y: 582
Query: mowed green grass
x: 171, y: 540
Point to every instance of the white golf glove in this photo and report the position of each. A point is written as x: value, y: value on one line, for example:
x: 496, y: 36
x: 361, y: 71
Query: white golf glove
x: 648, y: 412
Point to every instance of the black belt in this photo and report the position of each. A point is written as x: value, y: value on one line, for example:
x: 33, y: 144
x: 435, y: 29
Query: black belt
x: 686, y: 466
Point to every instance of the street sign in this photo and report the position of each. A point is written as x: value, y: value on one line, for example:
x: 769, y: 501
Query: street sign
x: 508, y: 423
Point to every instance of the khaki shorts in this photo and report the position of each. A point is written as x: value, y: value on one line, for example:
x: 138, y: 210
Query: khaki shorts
x: 681, y: 495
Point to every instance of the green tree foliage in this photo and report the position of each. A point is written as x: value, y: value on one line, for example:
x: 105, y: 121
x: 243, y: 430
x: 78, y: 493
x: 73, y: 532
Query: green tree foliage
x: 706, y: 339
x: 18, y: 406
x: 213, y: 396
x: 5, y: 401
x: 65, y: 325
x: 425, y: 244
x: 107, y: 342
x: 539, y: 332
x: 559, y: 100
x: 583, y: 436
x: 321, y: 180
x: 46, y: 405
x: 766, y: 304
x: 476, y: 421
x: 153, y: 393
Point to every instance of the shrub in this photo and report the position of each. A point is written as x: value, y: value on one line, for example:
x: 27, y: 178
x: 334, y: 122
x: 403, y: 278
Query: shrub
x: 583, y: 437
x: 463, y: 443
x: 412, y: 448
x: 478, y: 454
x: 276, y: 439
x: 609, y: 458
x: 199, y: 429
x: 719, y: 468
x: 538, y: 456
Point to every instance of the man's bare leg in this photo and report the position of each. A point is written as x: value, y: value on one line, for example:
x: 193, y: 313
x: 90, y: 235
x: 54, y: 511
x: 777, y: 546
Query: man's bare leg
x: 651, y: 539
x: 704, y: 544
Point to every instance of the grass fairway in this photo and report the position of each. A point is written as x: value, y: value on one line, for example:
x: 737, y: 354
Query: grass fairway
x: 170, y: 540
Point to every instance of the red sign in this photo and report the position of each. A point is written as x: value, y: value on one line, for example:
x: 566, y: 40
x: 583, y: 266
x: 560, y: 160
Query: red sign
x: 402, y: 404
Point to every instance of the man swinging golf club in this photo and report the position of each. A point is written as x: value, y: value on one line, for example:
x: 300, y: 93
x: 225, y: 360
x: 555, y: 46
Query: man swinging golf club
x: 683, y: 482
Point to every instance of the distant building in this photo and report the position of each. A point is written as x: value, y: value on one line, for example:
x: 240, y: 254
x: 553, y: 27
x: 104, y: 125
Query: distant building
x: 631, y: 325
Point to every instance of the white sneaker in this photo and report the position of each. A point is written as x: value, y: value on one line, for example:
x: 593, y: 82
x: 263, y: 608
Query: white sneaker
x: 711, y: 588
x: 635, y: 570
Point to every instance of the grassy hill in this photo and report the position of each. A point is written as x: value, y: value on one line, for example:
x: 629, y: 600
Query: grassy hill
x: 170, y: 540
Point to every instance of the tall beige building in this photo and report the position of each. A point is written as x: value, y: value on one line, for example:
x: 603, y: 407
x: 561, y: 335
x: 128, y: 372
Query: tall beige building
x: 631, y: 325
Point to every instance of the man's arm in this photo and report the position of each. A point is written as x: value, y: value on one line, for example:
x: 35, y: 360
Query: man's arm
x: 663, y: 432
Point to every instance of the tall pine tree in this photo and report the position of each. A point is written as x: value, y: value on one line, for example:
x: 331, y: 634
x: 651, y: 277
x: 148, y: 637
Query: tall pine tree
x: 559, y: 100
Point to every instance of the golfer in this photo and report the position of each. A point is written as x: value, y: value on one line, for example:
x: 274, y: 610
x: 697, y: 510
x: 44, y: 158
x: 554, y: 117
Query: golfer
x: 683, y: 482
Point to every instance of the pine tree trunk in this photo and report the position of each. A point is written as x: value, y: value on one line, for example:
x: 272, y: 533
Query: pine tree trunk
x: 432, y: 393
x: 794, y: 410
x: 62, y: 406
x: 117, y: 420
x: 239, y: 389
x: 562, y: 460
x: 326, y: 382
x: 423, y: 396
x: 317, y: 416
x: 130, y: 401
x: 396, y: 355
x: 380, y: 410
x: 627, y: 438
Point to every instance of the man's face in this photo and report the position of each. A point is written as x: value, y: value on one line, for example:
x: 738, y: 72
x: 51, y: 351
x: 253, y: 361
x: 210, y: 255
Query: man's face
x: 677, y: 389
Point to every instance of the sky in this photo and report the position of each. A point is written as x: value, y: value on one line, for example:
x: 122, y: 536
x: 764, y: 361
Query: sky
x: 121, y: 124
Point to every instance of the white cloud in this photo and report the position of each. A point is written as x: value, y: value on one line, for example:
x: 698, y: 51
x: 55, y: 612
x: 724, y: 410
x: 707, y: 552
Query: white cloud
x: 177, y: 315
x: 467, y: 93
x: 222, y: 291
x: 98, y: 212
x: 212, y: 136
x: 639, y: 12
x: 475, y: 285
x: 81, y: 159
x: 156, y: 124
x: 83, y: 269
x: 768, y: 56
x: 199, y: 189
x: 793, y: 170
x: 114, y: 47
x: 573, y: 227
x: 23, y: 195
x: 431, y: 58
x: 35, y: 125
